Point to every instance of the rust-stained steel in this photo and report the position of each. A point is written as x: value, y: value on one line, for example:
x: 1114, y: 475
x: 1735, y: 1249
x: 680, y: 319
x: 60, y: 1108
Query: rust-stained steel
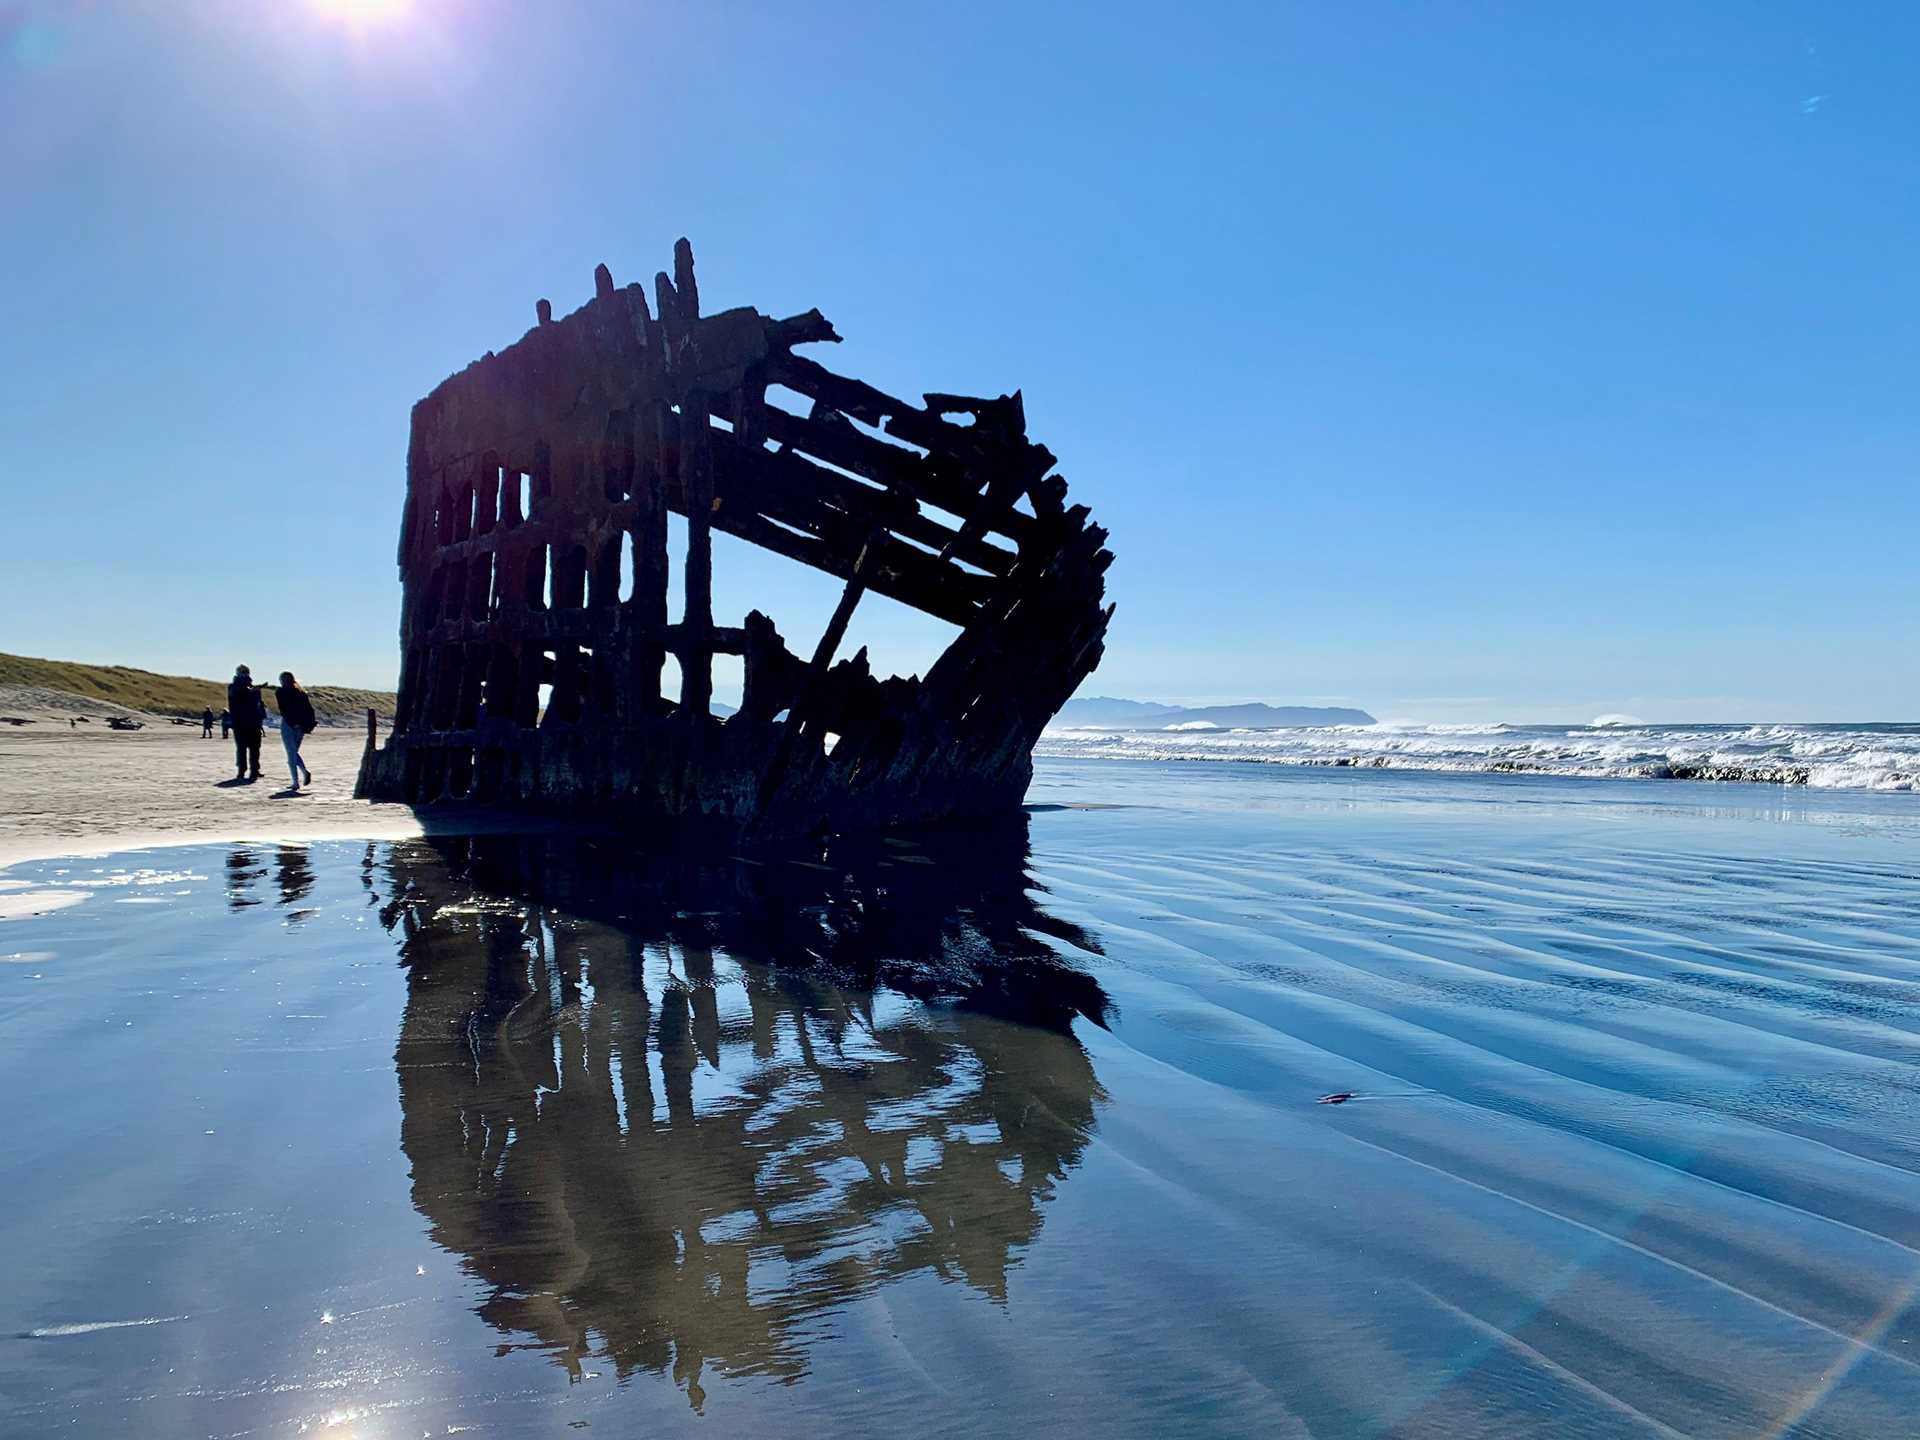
x: 536, y: 475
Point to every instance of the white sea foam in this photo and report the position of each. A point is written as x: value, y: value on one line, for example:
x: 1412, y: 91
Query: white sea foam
x: 88, y: 1327
x: 1846, y: 757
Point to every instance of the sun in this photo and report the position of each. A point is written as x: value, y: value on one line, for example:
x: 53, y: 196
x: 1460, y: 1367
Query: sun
x: 362, y: 14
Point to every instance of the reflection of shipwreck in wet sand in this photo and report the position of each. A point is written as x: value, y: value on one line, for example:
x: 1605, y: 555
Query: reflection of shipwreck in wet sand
x: 535, y: 565
x: 656, y: 1147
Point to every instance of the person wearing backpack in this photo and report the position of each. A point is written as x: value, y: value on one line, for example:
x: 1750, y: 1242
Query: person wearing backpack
x: 297, y: 721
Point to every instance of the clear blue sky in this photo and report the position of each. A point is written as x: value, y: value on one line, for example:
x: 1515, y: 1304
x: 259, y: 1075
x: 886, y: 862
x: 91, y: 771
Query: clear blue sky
x: 1498, y: 361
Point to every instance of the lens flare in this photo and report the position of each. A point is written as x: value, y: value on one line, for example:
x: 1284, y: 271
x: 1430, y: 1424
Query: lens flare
x: 362, y: 14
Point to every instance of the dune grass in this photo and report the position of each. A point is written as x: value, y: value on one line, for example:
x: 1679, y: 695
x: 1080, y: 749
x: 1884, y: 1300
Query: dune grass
x: 171, y: 694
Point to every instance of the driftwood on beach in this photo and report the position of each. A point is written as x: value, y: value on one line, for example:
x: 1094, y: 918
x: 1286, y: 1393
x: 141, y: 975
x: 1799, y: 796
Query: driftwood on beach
x: 535, y: 571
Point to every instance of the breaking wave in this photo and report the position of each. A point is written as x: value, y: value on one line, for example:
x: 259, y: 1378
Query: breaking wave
x: 1839, y: 757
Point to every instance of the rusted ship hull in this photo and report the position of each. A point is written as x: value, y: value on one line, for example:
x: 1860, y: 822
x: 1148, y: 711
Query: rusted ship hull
x: 535, y: 573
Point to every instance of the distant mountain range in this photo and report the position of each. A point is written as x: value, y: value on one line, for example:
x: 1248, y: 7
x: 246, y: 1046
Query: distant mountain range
x: 1106, y: 712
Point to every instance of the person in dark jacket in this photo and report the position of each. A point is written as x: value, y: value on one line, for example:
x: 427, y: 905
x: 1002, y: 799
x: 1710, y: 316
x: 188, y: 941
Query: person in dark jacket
x: 249, y: 713
x: 297, y: 721
x: 206, y: 723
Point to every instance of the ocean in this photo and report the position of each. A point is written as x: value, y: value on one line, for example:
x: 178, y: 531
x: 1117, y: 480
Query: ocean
x: 1224, y: 1099
x: 1838, y: 757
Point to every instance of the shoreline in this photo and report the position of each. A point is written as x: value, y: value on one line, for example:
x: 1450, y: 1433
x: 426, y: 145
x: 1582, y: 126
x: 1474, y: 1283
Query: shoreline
x: 104, y: 843
x: 71, y: 795
x: 77, y: 795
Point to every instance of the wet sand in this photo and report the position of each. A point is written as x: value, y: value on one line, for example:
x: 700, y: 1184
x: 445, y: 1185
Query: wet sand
x: 93, y: 790
x: 383, y: 1138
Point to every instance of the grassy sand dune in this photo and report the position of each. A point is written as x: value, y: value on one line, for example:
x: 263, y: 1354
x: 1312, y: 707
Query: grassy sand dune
x: 35, y: 687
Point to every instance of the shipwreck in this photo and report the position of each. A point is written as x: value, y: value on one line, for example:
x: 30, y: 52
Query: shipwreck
x: 535, y: 571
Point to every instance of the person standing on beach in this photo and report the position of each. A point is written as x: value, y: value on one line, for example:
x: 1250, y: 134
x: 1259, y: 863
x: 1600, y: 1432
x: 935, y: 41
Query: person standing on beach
x: 297, y: 721
x: 249, y: 713
x: 206, y: 723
